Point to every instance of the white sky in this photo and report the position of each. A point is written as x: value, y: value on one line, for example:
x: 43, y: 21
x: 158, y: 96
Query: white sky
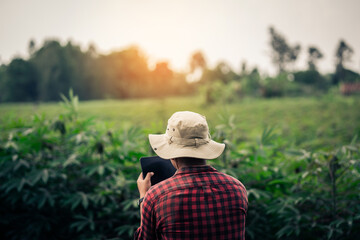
x: 229, y: 30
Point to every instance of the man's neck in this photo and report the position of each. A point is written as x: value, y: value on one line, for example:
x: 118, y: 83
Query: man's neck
x: 194, y: 163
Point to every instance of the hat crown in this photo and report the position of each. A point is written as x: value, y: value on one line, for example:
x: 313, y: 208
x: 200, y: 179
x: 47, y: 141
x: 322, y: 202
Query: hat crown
x: 188, y: 125
x: 187, y: 135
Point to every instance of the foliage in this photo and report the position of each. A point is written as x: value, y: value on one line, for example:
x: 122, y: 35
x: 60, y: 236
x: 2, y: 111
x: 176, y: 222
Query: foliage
x: 312, y: 82
x: 68, y: 179
x: 197, y: 60
x: 279, y: 86
x: 20, y: 83
x: 314, y: 55
x: 73, y: 178
x: 282, y: 53
x: 219, y: 92
x: 343, y: 55
x: 252, y: 84
x: 54, y: 67
x: 294, y: 194
x: 309, y: 123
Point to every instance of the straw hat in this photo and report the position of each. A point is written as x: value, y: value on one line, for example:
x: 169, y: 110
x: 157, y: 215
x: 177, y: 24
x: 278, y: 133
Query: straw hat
x: 187, y: 135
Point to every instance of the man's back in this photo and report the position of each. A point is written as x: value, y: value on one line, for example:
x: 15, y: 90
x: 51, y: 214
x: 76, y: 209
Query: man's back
x: 196, y: 203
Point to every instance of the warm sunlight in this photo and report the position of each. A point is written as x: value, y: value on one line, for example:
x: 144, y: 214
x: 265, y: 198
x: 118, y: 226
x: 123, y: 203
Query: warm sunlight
x: 179, y: 119
x: 231, y: 31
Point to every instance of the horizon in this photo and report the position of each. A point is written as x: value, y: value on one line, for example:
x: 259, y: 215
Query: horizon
x: 173, y: 31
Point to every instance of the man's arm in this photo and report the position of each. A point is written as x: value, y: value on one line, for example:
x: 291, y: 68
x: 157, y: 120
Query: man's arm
x: 147, y: 215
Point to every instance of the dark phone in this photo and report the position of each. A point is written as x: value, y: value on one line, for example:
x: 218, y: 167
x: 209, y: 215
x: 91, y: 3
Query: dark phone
x: 162, y: 168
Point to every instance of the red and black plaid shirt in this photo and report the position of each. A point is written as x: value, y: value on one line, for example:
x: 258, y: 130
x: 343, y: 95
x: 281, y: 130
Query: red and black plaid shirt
x: 196, y: 203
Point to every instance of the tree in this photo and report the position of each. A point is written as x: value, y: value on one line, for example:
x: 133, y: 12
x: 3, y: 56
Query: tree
x: 197, y: 60
x: 161, y: 79
x: 251, y: 83
x: 282, y: 53
x: 125, y: 73
x: 31, y: 47
x: 62, y: 67
x: 314, y: 55
x: 20, y: 81
x: 222, y: 72
x: 343, y: 54
x: 198, y: 67
x: 54, y: 68
x: 244, y: 71
x: 51, y: 62
x: 3, y: 89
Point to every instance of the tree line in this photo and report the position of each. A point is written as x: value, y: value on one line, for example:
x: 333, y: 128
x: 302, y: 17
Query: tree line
x: 54, y: 68
x: 221, y: 83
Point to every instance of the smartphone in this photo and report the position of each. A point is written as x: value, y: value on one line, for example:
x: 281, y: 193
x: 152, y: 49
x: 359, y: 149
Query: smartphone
x: 162, y: 168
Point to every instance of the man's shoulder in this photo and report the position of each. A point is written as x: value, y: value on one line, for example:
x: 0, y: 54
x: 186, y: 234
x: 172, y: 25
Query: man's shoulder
x: 179, y: 182
x: 230, y: 180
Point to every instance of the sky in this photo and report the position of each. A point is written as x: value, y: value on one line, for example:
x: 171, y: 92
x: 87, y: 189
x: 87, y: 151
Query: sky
x: 171, y: 30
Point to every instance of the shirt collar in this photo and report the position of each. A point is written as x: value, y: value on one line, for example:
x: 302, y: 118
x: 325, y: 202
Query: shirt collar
x: 195, y: 169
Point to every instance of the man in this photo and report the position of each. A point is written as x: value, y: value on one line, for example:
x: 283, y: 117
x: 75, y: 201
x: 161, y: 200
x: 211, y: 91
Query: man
x: 198, y: 202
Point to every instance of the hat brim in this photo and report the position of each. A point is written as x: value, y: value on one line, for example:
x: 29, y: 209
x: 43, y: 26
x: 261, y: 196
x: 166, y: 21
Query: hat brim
x: 163, y: 149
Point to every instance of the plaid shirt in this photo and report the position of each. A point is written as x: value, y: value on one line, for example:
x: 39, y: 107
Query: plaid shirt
x: 196, y: 203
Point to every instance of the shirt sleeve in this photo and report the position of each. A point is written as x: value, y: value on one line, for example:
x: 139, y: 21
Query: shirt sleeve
x: 148, y: 220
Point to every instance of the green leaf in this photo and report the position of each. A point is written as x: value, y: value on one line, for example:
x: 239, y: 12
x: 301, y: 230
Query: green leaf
x: 257, y: 193
x: 101, y: 170
x: 45, y: 175
x: 293, y: 152
x: 11, y: 144
x: 304, y: 175
x: 330, y: 233
x: 21, y: 163
x: 14, y: 157
x: 278, y: 181
x: 42, y: 202
x: 23, y: 181
x: 28, y: 131
x: 354, y: 140
x: 127, y: 204
x: 83, y: 221
x: 71, y: 160
x: 80, y: 225
x: 126, y: 228
x: 91, y: 170
x: 285, y: 230
x: 85, y: 200
x: 10, y: 185
x: 46, y: 196
x: 73, y: 200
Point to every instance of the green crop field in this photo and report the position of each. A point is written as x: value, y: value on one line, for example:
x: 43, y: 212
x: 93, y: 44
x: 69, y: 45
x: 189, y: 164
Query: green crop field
x: 70, y: 170
x: 305, y: 122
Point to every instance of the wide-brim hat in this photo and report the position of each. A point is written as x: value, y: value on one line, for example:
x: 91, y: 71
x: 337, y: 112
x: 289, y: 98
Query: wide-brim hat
x: 186, y: 135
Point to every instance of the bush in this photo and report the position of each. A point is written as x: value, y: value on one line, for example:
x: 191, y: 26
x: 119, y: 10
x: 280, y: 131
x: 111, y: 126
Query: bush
x: 70, y: 178
x: 294, y: 194
x: 312, y: 82
x: 281, y: 85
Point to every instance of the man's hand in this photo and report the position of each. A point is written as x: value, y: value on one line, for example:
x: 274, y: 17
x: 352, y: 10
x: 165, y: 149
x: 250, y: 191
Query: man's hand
x: 144, y: 184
